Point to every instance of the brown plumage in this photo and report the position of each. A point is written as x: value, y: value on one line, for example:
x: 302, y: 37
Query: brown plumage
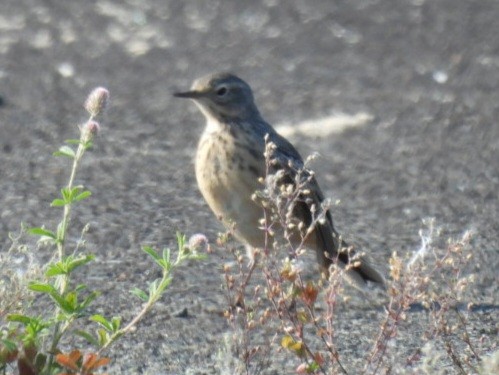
x: 230, y: 159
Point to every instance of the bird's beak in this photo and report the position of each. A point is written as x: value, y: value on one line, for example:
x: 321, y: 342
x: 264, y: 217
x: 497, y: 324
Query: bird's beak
x: 188, y: 94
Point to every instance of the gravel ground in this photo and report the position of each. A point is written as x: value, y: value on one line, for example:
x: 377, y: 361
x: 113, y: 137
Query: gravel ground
x: 404, y: 96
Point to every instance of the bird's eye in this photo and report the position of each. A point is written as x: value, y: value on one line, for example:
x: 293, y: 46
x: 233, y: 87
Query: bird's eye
x: 222, y: 91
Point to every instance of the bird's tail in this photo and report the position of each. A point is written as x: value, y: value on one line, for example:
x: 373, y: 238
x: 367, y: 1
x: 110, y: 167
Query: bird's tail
x: 362, y: 272
x: 359, y: 271
x: 331, y: 249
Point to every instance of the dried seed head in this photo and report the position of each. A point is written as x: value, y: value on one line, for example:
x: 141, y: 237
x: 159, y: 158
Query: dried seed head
x: 97, y: 101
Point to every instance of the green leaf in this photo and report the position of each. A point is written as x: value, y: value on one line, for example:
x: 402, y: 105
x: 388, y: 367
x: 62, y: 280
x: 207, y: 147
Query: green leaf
x: 78, y: 262
x: 166, y: 256
x: 87, y: 145
x: 65, y: 151
x: 41, y: 287
x: 66, y: 194
x: 72, y: 141
x: 140, y: 293
x: 82, y: 196
x: 194, y: 256
x: 42, y: 232
x: 103, y: 337
x: 55, y: 270
x: 80, y: 287
x: 181, y: 240
x: 149, y: 250
x: 153, y: 287
x: 65, y: 305
x: 72, y: 301
x: 163, y: 262
x: 60, y: 231
x: 69, y: 196
x: 314, y: 366
x: 102, y: 321
x: 24, y: 319
x: 57, y: 203
x: 67, y: 265
x: 88, y: 300
x: 116, y: 322
x: 87, y: 336
x: 9, y: 344
x: 164, y: 284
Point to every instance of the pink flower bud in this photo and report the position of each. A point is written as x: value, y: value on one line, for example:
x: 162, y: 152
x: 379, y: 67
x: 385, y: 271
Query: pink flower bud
x: 97, y: 101
x: 302, y: 369
x: 92, y: 127
x: 89, y: 130
x: 198, y: 241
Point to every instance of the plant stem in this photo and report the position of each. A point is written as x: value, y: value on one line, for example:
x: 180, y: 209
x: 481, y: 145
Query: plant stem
x: 64, y: 224
x: 153, y: 298
x: 67, y: 208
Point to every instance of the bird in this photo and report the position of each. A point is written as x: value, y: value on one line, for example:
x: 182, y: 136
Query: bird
x: 230, y: 164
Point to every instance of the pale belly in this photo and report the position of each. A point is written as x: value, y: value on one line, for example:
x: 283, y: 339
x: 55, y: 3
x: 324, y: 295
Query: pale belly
x: 227, y: 185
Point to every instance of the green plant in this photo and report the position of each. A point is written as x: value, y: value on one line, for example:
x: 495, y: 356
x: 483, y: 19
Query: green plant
x: 33, y: 342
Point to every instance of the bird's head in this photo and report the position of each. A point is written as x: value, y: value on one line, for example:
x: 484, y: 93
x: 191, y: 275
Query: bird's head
x: 223, y: 96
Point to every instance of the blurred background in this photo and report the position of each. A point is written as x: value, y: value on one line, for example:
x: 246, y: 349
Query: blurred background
x: 401, y: 96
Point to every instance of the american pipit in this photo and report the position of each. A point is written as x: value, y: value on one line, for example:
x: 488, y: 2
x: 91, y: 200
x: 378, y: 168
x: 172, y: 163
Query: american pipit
x: 230, y: 160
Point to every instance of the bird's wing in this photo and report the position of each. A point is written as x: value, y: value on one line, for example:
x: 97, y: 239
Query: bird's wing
x: 325, y: 239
